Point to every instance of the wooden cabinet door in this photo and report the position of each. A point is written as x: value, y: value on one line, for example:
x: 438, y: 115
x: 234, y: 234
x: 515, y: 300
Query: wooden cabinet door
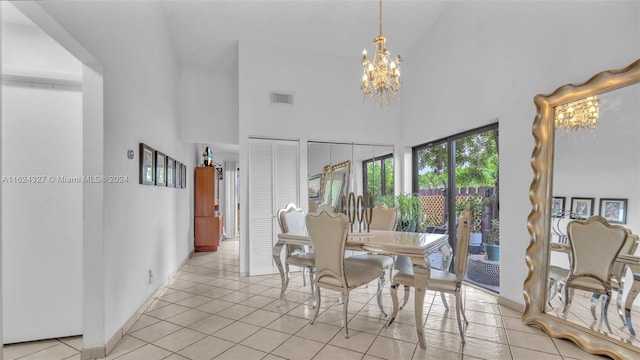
x: 205, y: 191
x: 206, y: 231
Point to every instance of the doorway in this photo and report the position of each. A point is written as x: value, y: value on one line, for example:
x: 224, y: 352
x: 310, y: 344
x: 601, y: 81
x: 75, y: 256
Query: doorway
x: 452, y: 172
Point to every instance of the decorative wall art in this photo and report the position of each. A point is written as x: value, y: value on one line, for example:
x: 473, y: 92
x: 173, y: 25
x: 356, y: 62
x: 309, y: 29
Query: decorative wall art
x: 314, y: 187
x: 581, y: 208
x: 171, y: 172
x: 157, y: 168
x: 614, y: 210
x: 557, y: 205
x: 178, y: 175
x: 184, y: 176
x: 161, y: 164
x: 147, y: 165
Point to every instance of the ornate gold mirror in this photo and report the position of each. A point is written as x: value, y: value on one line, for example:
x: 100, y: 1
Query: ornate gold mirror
x: 335, y: 183
x: 611, y: 155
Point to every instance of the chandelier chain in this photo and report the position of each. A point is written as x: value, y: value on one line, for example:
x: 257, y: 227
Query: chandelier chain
x: 380, y: 16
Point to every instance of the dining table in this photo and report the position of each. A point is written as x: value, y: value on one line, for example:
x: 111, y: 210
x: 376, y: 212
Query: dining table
x: 416, y: 246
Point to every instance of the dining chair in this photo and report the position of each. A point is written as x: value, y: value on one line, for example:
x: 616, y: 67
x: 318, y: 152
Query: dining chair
x: 618, y: 274
x: 445, y: 254
x: 328, y: 232
x: 292, y: 220
x: 382, y: 218
x: 442, y: 280
x: 559, y: 270
x: 595, y: 244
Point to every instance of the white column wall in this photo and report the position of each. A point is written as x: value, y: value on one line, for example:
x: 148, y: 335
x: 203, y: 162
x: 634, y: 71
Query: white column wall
x: 482, y: 62
x: 43, y: 220
x: 145, y: 227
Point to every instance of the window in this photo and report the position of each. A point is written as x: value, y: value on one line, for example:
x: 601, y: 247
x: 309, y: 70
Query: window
x: 378, y: 176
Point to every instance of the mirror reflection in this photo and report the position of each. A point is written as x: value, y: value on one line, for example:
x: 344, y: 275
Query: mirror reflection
x: 596, y: 172
x: 339, y: 168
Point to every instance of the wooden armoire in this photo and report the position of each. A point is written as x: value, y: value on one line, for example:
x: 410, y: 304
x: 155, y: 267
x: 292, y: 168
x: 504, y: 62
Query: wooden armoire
x: 208, y: 219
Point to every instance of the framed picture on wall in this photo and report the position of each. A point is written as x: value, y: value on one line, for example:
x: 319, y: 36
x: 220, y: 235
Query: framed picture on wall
x: 178, y: 174
x: 171, y: 172
x: 557, y: 205
x: 147, y: 165
x: 614, y: 210
x: 581, y: 208
x: 161, y: 164
x: 314, y: 187
x: 184, y: 176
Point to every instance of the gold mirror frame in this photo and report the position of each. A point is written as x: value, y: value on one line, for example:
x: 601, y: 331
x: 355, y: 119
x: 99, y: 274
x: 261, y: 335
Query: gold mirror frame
x: 538, y: 222
x: 334, y: 173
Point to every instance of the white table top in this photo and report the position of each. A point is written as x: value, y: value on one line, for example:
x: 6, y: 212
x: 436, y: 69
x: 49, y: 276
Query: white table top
x: 391, y: 242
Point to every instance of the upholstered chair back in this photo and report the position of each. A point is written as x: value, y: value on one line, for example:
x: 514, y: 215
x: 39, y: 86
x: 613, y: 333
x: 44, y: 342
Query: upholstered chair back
x: 463, y: 233
x: 383, y: 218
x: 595, y: 244
x: 328, y: 232
x: 292, y: 220
x: 628, y: 248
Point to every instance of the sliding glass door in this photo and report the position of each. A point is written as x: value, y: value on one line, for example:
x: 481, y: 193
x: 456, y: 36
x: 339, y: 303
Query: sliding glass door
x: 455, y: 171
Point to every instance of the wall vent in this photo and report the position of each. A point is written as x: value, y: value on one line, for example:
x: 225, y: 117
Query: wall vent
x: 277, y: 98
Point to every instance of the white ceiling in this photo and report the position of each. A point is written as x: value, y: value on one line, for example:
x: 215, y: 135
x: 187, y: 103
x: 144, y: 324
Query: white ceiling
x: 205, y: 34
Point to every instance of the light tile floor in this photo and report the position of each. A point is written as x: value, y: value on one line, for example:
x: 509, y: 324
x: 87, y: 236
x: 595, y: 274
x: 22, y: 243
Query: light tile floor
x: 209, y: 311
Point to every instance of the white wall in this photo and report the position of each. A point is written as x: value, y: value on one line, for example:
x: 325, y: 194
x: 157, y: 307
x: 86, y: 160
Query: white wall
x: 42, y: 232
x: 145, y: 227
x: 208, y: 107
x: 327, y: 104
x: 484, y: 62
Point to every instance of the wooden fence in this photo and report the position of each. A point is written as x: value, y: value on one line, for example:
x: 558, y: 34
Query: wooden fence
x: 433, y: 204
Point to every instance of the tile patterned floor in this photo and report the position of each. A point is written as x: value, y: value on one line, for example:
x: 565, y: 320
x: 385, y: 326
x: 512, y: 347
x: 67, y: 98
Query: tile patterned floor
x: 209, y: 312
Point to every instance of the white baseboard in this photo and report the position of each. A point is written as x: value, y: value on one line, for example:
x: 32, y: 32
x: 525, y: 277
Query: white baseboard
x: 510, y: 304
x: 103, y: 351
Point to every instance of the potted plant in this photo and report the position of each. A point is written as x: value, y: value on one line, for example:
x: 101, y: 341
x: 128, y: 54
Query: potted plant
x: 408, y: 206
x: 476, y: 204
x: 492, y: 247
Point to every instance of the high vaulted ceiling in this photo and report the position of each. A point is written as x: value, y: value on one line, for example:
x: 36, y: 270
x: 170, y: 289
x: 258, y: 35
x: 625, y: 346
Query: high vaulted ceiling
x: 205, y: 34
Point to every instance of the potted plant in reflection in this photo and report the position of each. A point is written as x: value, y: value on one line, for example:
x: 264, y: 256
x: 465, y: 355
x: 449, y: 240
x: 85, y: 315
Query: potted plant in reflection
x: 492, y: 247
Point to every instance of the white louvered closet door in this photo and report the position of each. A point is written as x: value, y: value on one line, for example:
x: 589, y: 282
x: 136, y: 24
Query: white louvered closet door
x: 273, y: 182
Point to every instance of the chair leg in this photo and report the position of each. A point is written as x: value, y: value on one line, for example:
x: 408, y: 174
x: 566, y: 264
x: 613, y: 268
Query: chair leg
x: 444, y: 300
x: 620, y: 291
x: 459, y: 314
x: 318, y: 297
x: 304, y: 279
x: 312, y: 273
x: 285, y: 283
x: 594, y: 304
x: 552, y: 290
x: 605, y: 309
x: 394, y: 299
x: 381, y: 282
x: 345, y: 297
x: 407, y: 290
x: 568, y: 297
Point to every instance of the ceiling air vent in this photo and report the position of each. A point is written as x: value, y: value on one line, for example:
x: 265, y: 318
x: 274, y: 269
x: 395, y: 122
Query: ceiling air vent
x: 281, y: 98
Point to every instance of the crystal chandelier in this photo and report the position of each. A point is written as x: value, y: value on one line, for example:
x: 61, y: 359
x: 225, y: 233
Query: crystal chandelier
x: 577, y: 115
x: 381, y: 78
